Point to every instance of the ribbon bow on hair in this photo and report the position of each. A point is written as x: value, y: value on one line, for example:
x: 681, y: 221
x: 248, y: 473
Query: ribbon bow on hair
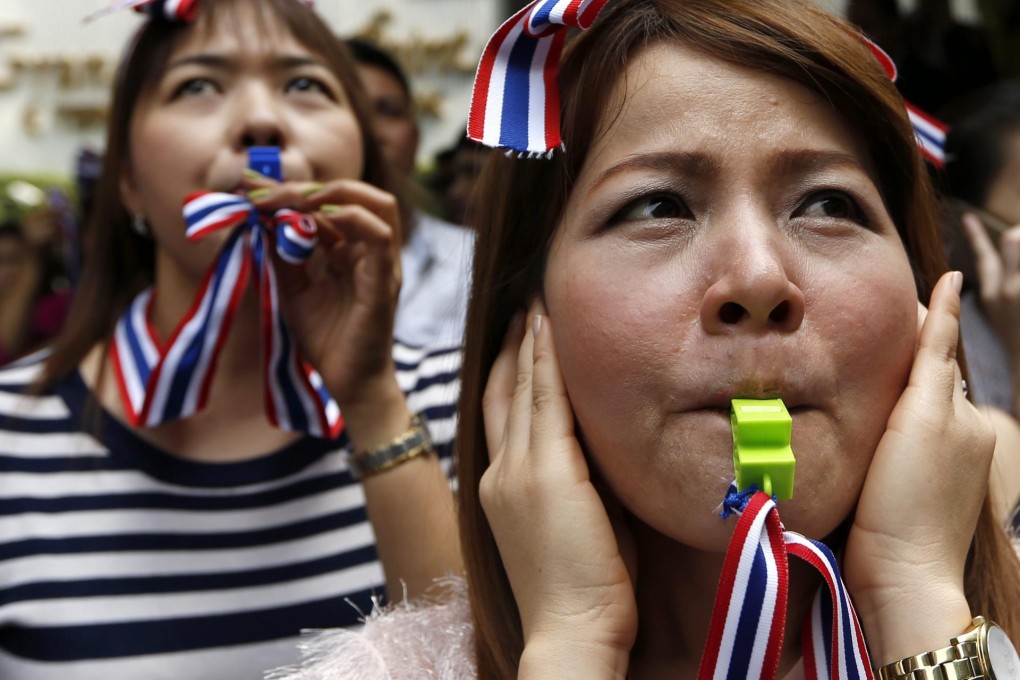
x: 929, y: 132
x: 516, y: 98
x: 160, y: 382
x: 515, y: 103
x: 171, y: 10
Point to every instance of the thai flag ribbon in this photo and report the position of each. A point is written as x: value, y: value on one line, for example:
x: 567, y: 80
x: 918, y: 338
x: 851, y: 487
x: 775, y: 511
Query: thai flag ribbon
x: 170, y: 10
x: 745, y: 636
x: 164, y: 381
x: 515, y: 103
x: 929, y: 132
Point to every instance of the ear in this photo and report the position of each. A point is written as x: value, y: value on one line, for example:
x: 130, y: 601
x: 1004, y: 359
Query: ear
x: 128, y: 191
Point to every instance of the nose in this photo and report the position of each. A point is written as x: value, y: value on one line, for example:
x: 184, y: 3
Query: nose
x: 752, y: 290
x: 258, y: 118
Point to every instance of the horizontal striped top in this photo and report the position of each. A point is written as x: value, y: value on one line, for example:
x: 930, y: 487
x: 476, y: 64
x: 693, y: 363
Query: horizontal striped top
x: 119, y: 560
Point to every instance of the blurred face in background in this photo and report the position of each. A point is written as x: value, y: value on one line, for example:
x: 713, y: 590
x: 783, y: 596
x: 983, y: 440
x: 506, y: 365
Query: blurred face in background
x: 393, y: 120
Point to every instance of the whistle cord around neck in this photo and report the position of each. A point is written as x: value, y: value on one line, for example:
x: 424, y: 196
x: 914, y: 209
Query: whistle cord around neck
x: 165, y: 381
x: 745, y: 637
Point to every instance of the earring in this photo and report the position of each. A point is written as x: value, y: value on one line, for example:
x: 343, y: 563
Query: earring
x: 139, y: 225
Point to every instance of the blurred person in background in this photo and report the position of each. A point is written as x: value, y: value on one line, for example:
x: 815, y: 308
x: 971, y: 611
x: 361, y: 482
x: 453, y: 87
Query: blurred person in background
x: 436, y: 255
x: 982, y: 181
x: 467, y: 159
x: 34, y: 293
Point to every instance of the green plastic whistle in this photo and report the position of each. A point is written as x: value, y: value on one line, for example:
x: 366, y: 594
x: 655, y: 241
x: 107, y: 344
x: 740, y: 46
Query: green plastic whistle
x: 761, y: 446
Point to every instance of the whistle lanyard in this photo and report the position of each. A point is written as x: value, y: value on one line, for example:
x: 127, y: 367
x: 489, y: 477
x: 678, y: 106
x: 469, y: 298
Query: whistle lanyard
x: 164, y: 381
x: 746, y: 633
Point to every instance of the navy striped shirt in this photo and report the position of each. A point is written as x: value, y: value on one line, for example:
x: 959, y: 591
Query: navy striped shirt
x: 118, y: 560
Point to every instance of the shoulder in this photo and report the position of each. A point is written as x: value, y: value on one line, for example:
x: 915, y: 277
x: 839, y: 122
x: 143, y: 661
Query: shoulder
x: 430, y: 377
x: 430, y: 638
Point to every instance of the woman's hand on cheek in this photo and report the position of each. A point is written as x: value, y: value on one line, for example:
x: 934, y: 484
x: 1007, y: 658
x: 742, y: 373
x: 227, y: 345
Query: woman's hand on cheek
x: 556, y: 539
x: 905, y: 555
x: 340, y: 304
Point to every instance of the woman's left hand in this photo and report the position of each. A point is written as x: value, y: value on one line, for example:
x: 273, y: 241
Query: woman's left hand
x: 908, y: 545
x: 340, y: 305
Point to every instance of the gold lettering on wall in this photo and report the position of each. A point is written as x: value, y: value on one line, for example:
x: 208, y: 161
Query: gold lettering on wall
x: 81, y: 81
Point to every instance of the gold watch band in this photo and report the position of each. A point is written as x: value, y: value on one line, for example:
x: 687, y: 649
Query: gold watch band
x: 411, y: 444
x: 961, y: 660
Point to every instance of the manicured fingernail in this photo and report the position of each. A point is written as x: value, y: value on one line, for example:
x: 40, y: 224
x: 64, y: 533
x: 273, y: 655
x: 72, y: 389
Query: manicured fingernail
x: 315, y: 188
x: 258, y: 194
x: 957, y: 278
x: 537, y: 325
x: 253, y: 174
x: 329, y: 208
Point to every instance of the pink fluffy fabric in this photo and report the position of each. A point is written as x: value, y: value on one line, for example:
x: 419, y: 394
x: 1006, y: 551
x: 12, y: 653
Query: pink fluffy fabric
x: 430, y: 638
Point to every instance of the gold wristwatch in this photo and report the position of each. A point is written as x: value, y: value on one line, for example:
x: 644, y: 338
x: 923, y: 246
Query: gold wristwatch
x: 982, y: 652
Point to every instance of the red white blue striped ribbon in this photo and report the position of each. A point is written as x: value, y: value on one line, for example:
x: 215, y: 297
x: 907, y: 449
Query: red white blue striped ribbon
x: 171, y: 10
x: 515, y: 103
x: 929, y: 132
x: 160, y: 382
x: 745, y: 636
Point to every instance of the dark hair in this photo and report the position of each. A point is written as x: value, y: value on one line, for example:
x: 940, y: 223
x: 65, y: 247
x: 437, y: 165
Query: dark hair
x: 369, y: 54
x: 118, y: 263
x: 523, y: 201
x: 11, y: 229
x: 975, y: 149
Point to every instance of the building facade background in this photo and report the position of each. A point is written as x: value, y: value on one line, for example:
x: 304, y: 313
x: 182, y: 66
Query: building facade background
x: 55, y: 71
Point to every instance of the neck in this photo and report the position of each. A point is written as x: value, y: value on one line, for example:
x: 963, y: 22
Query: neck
x: 233, y: 425
x: 676, y: 589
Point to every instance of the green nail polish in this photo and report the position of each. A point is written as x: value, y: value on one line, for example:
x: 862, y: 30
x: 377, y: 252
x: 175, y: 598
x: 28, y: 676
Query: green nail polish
x: 329, y: 208
x: 315, y: 188
x: 253, y: 174
x: 258, y: 194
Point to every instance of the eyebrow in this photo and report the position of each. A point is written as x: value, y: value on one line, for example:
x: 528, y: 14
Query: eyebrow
x: 285, y: 62
x: 679, y: 162
x: 785, y: 163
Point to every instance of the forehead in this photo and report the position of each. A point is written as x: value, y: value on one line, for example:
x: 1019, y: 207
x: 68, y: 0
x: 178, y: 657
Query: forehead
x: 671, y: 95
x: 249, y: 27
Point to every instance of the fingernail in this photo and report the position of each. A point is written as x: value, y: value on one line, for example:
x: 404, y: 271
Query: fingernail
x: 537, y: 325
x: 315, y: 188
x: 957, y: 278
x: 258, y: 194
x: 253, y: 174
x: 329, y: 208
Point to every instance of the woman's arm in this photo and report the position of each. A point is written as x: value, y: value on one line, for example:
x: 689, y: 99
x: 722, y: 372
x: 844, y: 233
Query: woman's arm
x: 341, y: 308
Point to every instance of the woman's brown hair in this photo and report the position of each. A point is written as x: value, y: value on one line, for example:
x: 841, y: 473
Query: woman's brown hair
x: 522, y: 202
x: 119, y: 263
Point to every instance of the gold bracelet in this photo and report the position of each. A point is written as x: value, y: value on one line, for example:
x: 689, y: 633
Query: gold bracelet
x: 413, y: 443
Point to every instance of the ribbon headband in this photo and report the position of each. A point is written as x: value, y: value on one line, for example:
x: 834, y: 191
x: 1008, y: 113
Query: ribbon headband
x: 169, y: 10
x: 515, y: 103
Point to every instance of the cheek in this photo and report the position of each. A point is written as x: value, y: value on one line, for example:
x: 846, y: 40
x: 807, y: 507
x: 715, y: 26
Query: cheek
x: 333, y: 146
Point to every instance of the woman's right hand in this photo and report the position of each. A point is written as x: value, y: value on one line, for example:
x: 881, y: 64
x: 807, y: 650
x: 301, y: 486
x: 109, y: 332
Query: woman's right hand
x: 561, y: 551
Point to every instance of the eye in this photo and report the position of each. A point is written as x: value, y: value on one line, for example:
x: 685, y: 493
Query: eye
x: 831, y: 205
x: 194, y: 87
x: 654, y: 207
x: 305, y: 84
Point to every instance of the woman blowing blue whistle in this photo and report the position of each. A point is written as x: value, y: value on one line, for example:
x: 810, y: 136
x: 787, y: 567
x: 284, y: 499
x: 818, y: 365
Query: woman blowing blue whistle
x: 227, y: 446
x: 737, y: 208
